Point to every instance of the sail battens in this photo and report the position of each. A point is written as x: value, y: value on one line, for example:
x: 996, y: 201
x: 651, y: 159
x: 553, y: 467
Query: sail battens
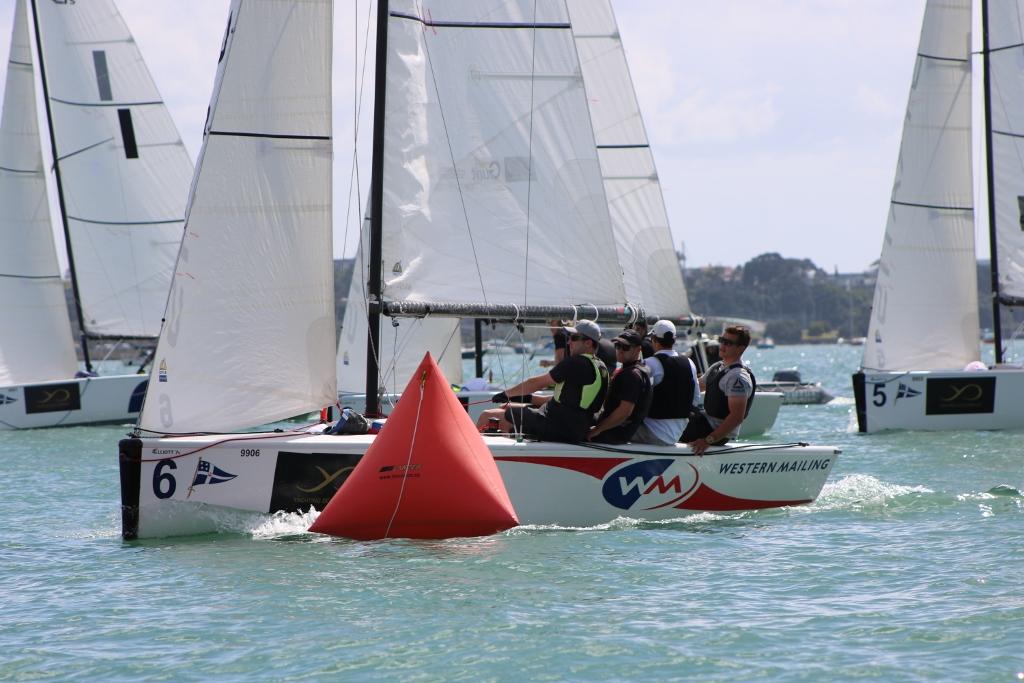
x: 19, y: 170
x: 625, y: 146
x: 1006, y: 133
x: 70, y: 103
x: 14, y: 276
x: 277, y: 136
x: 938, y: 207
x: 79, y: 219
x: 937, y: 58
x: 481, y: 24
x: 19, y: 63
x: 85, y: 149
x: 1005, y: 47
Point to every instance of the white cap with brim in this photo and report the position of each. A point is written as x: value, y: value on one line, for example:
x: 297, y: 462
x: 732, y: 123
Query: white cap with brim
x: 662, y: 329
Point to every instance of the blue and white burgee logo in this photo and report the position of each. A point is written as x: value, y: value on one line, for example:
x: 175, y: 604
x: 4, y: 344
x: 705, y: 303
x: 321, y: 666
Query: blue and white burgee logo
x: 7, y: 398
x: 906, y: 392
x: 211, y: 474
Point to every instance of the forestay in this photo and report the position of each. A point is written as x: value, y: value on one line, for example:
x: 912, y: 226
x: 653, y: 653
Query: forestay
x: 124, y: 169
x: 249, y: 336
x: 1006, y: 55
x: 925, y: 311
x: 35, y: 333
x: 492, y: 187
x: 643, y: 238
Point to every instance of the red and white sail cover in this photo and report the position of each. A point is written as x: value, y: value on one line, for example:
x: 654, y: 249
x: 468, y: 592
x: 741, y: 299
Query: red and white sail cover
x: 650, y: 267
x: 35, y: 333
x: 125, y: 172
x: 1006, y: 76
x: 250, y: 330
x: 925, y: 312
x: 492, y: 186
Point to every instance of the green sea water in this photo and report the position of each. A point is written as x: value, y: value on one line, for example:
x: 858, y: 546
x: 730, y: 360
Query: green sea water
x: 908, y: 567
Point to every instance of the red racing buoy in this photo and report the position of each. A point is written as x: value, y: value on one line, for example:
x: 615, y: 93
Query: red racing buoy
x: 428, y: 474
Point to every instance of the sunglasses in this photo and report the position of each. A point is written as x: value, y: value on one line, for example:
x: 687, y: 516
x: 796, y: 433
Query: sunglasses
x: 575, y: 337
x: 725, y: 341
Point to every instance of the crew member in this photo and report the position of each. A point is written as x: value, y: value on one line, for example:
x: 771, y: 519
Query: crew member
x: 674, y: 378
x: 728, y: 394
x: 581, y: 381
x: 629, y: 395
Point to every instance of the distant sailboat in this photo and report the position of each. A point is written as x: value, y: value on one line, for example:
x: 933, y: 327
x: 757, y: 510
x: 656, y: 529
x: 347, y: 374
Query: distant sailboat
x: 921, y: 366
x: 480, y: 121
x: 122, y: 176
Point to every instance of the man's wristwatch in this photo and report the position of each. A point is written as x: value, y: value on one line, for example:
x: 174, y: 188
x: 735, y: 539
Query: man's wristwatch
x: 709, y: 441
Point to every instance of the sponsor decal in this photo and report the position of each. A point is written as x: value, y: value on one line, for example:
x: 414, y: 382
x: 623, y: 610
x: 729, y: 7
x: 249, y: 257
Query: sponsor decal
x: 207, y: 473
x: 410, y: 471
x: 162, y: 372
x: 138, y: 396
x: 650, y: 484
x: 906, y: 392
x: 51, y: 398
x: 302, y: 480
x: 959, y: 396
x: 770, y: 467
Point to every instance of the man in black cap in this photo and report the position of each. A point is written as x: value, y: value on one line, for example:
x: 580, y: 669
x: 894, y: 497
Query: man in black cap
x: 581, y: 381
x: 629, y: 396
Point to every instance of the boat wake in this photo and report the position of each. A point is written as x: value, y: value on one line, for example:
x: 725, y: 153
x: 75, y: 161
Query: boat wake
x: 862, y: 491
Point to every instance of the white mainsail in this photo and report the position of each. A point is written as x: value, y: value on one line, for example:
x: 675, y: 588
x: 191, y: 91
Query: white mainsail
x: 1005, y: 59
x: 124, y: 170
x: 925, y: 311
x: 401, y: 347
x: 650, y: 266
x: 249, y: 332
x: 35, y: 332
x: 492, y: 187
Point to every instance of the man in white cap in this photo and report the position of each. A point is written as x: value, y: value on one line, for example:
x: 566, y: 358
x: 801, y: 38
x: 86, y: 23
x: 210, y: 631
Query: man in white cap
x: 580, y: 380
x: 674, y: 378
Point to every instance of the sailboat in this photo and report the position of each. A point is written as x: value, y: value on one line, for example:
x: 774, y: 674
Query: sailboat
x: 481, y: 133
x: 121, y: 174
x: 921, y: 366
x: 648, y: 261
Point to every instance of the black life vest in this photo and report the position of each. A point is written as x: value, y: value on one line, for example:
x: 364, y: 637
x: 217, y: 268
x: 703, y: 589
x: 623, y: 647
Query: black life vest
x: 672, y: 398
x: 716, y: 403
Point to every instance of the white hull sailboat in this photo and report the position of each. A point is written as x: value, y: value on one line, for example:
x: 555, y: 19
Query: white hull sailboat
x: 921, y: 366
x: 496, y: 149
x: 121, y: 173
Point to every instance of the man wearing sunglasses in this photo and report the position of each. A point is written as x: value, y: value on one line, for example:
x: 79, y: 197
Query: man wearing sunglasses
x: 581, y: 381
x: 629, y: 396
x: 728, y: 394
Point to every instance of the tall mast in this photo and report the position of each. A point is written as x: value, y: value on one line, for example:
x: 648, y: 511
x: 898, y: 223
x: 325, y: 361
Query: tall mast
x: 997, y: 327
x: 376, y: 211
x: 60, y: 190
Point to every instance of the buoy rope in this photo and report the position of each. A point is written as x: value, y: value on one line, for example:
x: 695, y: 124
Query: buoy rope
x: 408, y: 461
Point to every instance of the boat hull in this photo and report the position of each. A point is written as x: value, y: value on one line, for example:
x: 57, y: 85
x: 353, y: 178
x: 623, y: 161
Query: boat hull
x: 798, y: 394
x: 200, y: 484
x: 954, y: 400
x: 88, y: 400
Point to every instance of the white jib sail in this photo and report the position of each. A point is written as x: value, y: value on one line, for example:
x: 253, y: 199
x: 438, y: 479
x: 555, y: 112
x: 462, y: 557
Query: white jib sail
x: 1006, y: 63
x: 125, y: 172
x: 643, y: 238
x: 492, y: 187
x: 249, y: 336
x: 35, y: 333
x: 401, y: 347
x: 925, y: 311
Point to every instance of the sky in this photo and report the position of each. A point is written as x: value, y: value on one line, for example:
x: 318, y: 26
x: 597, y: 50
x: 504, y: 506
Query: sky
x: 775, y: 124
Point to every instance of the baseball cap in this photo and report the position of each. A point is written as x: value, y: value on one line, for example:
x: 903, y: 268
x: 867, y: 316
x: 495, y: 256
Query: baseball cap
x: 628, y: 338
x: 587, y: 328
x: 662, y: 329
